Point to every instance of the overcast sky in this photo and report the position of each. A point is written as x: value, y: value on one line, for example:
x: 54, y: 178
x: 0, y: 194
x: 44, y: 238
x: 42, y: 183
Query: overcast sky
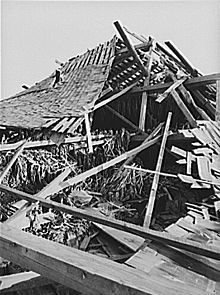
x: 35, y: 33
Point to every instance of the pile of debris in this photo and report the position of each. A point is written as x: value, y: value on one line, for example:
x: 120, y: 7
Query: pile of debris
x: 89, y: 178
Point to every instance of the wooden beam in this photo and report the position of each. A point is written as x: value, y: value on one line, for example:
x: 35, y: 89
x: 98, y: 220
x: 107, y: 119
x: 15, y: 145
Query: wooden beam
x: 18, y: 282
x: 189, y: 84
x: 217, y: 112
x: 13, y: 159
x: 41, y: 143
x: 144, y: 100
x: 93, y: 171
x: 163, y: 237
x: 153, y: 191
x: 88, y: 132
x: 111, y: 98
x: 130, y: 47
x: 81, y: 271
x: 124, y: 119
x: 184, y: 109
x: 182, y: 58
x: 175, y: 85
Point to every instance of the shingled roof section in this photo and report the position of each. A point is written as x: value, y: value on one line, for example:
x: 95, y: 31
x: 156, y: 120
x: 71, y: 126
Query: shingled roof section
x: 83, y: 78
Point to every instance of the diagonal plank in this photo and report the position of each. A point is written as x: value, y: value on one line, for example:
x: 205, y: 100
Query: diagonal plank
x: 14, y: 158
x: 153, y: 191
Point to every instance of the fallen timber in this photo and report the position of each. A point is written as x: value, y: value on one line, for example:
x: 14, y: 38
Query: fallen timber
x: 122, y: 90
x: 81, y: 271
x: 208, y: 251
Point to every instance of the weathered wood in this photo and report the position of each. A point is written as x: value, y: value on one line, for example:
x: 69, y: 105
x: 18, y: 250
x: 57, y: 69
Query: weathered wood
x: 93, y: 171
x: 130, y: 47
x: 175, y: 85
x: 150, y: 171
x: 205, y: 250
x: 182, y: 58
x: 184, y: 109
x: 149, y: 137
x: 88, y: 132
x: 128, y: 122
x: 153, y: 191
x: 13, y: 159
x: 33, y: 144
x: 144, y: 100
x: 82, y: 271
x: 189, y: 84
x: 217, y: 112
x: 20, y: 281
x: 111, y: 98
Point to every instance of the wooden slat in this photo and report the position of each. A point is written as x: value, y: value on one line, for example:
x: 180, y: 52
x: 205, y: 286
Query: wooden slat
x: 75, y: 125
x: 88, y: 132
x: 50, y: 122
x: 189, y: 163
x: 189, y: 84
x: 194, y: 247
x: 81, y: 271
x: 60, y: 124
x: 144, y: 100
x: 217, y: 112
x: 32, y: 144
x: 13, y: 159
x: 175, y: 85
x: 21, y: 281
x: 203, y: 164
x: 130, y: 47
x: 153, y: 191
x: 184, y: 109
x: 67, y: 124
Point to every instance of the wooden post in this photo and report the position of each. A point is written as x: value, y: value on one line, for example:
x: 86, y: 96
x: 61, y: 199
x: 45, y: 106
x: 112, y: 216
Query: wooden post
x: 153, y: 192
x: 184, y: 109
x: 88, y: 132
x: 11, y: 162
x: 130, y: 47
x: 217, y: 113
x: 143, y: 110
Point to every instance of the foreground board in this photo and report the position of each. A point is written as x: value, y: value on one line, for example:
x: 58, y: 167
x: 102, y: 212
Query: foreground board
x: 82, y: 271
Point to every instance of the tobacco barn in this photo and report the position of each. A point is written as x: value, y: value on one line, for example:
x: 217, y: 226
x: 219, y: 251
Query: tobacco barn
x: 110, y: 175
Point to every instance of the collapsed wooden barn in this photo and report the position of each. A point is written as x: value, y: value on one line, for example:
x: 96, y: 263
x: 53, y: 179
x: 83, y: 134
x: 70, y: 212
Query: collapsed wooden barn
x: 85, y: 208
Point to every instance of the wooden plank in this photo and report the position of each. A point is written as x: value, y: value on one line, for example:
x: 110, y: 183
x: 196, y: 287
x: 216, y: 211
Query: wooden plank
x: 111, y: 98
x: 217, y: 112
x: 189, y: 84
x: 33, y: 144
x: 182, y: 58
x: 184, y: 109
x: 93, y: 171
x: 150, y: 171
x: 67, y: 124
x: 13, y: 159
x: 144, y: 100
x: 194, y: 247
x: 60, y: 124
x: 128, y: 122
x: 203, y: 164
x: 130, y: 240
x: 75, y: 125
x: 149, y: 137
x: 175, y: 85
x: 21, y: 281
x: 153, y: 191
x: 189, y: 163
x: 130, y: 47
x: 54, y: 184
x: 82, y: 271
x: 88, y: 132
x: 51, y: 122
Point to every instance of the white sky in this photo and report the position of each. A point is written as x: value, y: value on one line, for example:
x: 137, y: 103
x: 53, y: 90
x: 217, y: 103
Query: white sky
x: 35, y: 33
